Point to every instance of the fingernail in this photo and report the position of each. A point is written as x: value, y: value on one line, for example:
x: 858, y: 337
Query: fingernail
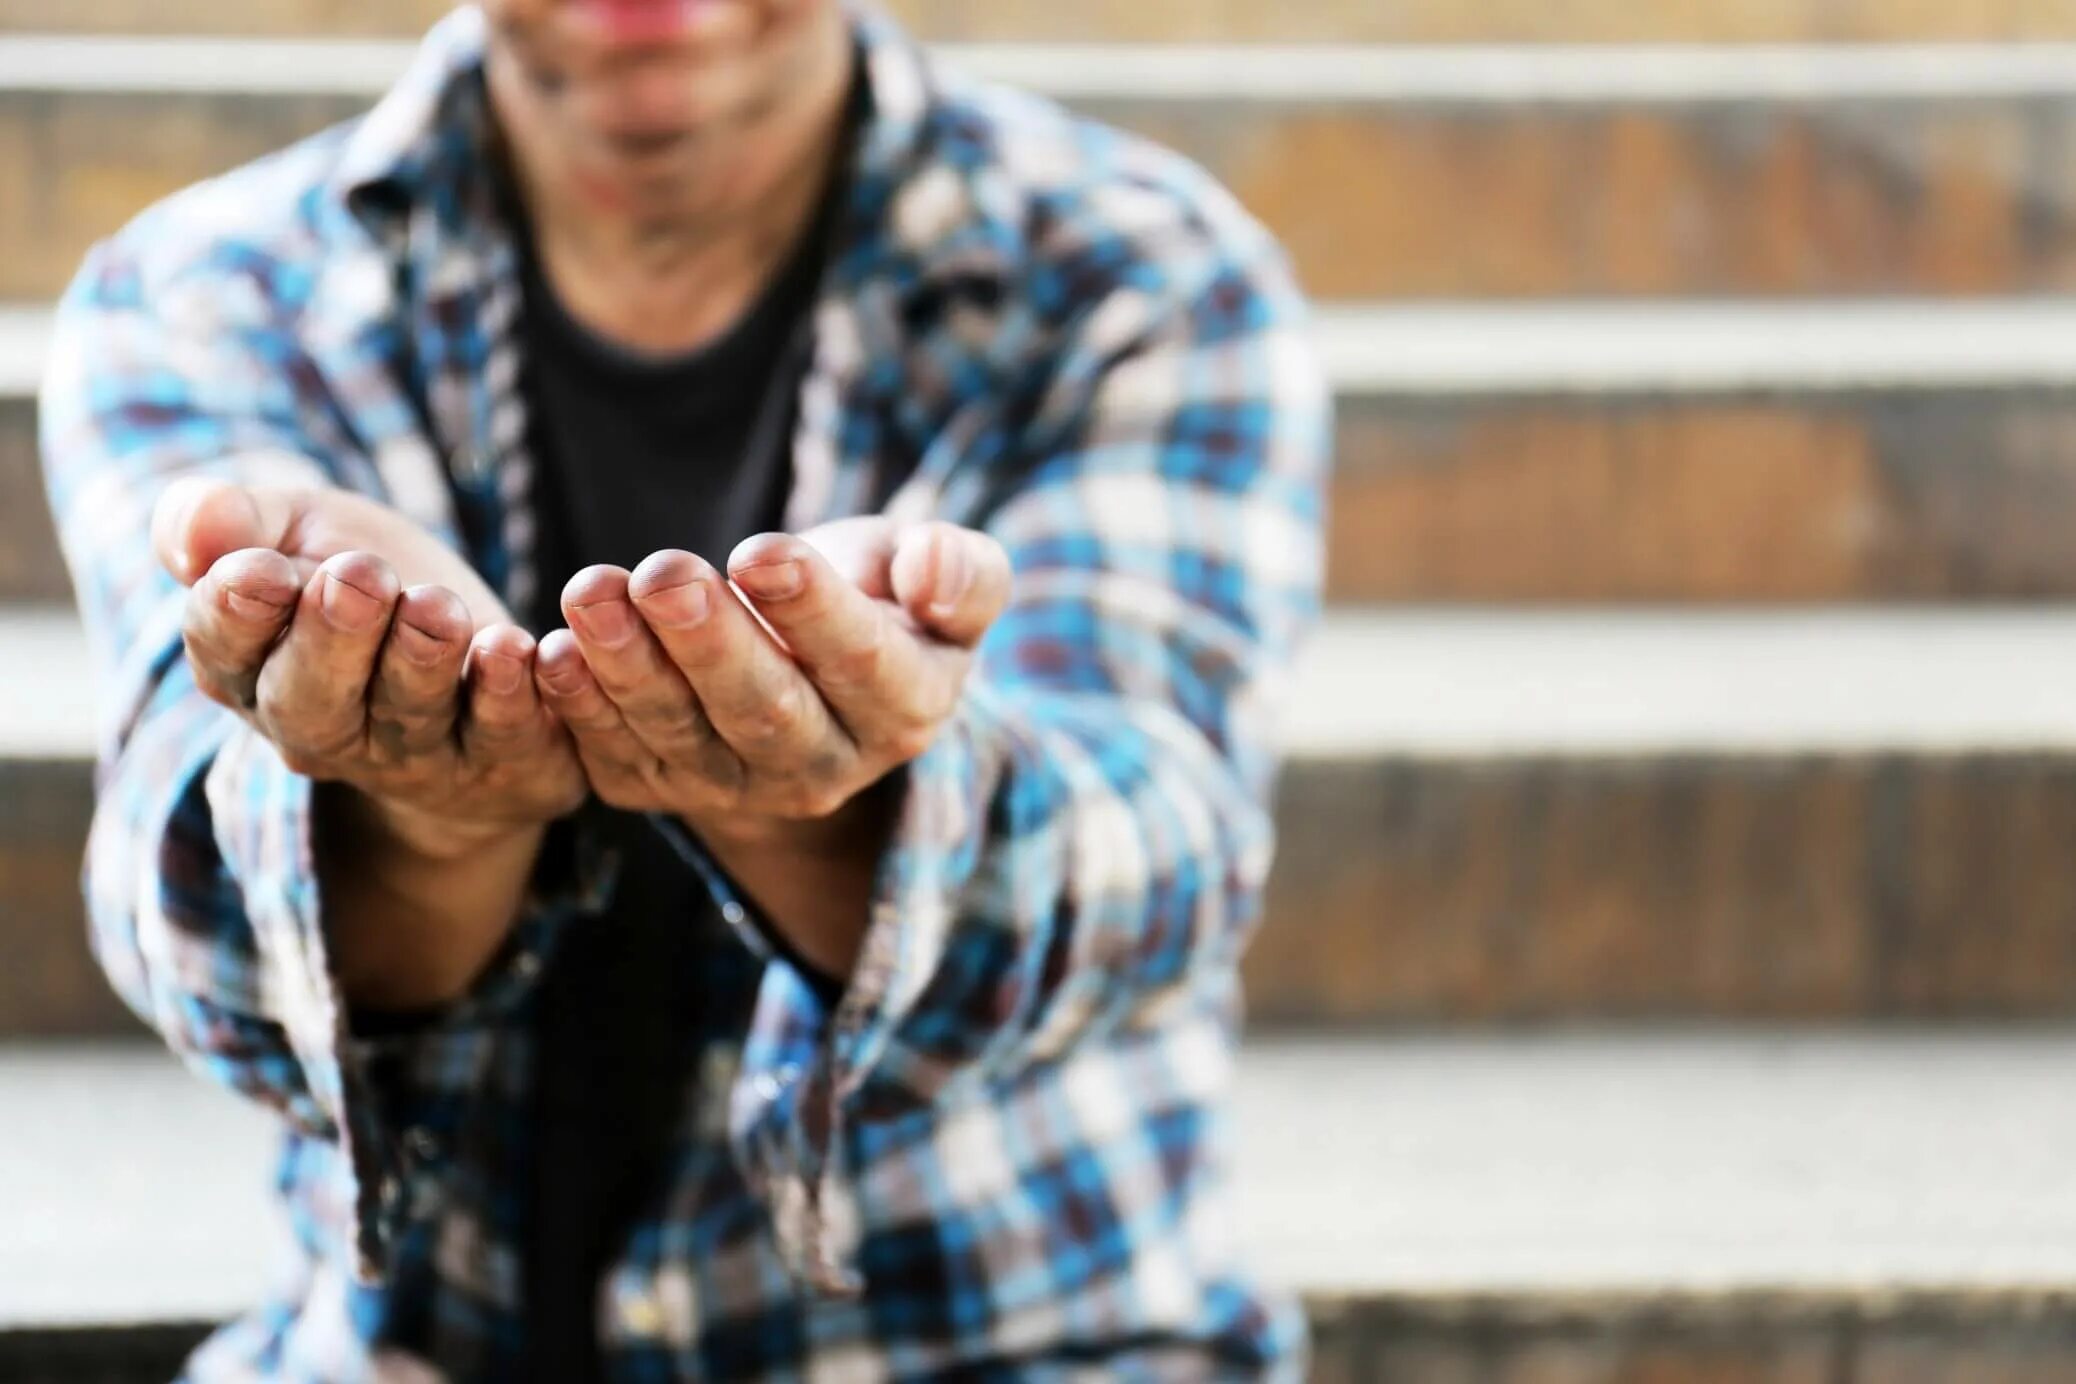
x: 417, y: 645
x: 562, y: 678
x: 954, y: 575
x: 500, y: 675
x: 609, y: 623
x: 678, y: 607
x: 348, y: 607
x: 771, y: 581
x: 251, y: 608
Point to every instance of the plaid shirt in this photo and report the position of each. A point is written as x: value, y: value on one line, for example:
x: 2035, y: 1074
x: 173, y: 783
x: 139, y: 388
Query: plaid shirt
x: 1002, y: 1154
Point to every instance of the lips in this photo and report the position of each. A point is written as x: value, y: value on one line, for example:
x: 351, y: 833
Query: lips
x: 636, y: 21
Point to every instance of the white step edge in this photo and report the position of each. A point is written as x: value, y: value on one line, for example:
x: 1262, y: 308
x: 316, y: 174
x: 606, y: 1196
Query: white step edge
x: 25, y: 334
x: 1417, y: 684
x: 1310, y: 73
x: 1575, y: 1163
x: 1697, y: 348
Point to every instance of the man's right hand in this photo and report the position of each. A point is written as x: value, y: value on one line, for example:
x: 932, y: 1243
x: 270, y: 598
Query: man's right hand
x: 370, y: 655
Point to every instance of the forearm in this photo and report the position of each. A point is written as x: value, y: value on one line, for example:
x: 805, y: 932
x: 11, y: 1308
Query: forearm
x: 414, y: 909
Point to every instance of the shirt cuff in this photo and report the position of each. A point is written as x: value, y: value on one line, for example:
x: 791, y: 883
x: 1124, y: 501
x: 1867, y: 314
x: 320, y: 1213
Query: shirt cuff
x: 742, y: 915
x: 803, y: 1060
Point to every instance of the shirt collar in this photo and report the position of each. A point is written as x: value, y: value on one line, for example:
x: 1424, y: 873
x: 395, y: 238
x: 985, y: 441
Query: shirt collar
x: 921, y: 259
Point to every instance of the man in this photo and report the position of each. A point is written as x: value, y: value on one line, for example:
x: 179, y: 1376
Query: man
x: 817, y: 959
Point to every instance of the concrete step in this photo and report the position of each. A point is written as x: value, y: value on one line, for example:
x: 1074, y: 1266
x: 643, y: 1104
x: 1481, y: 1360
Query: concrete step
x: 1878, y: 1337
x: 1505, y: 818
x: 1342, y: 21
x: 1473, y: 173
x: 1692, y: 453
x: 1779, y: 1206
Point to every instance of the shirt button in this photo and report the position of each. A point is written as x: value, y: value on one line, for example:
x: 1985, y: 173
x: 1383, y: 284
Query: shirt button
x: 732, y: 913
x: 422, y: 1144
x: 526, y: 965
x: 641, y: 1314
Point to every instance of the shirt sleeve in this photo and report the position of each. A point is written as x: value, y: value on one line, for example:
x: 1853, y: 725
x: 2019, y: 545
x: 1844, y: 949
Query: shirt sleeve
x: 1085, y: 845
x: 203, y: 901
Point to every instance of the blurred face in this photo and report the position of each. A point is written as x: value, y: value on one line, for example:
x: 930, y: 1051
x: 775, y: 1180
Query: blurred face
x: 634, y: 104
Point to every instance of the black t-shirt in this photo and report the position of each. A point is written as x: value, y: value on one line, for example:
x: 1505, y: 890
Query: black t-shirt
x: 635, y: 454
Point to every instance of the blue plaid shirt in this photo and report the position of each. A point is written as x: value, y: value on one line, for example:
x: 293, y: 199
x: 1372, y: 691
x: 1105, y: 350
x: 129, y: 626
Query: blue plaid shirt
x: 1002, y: 1154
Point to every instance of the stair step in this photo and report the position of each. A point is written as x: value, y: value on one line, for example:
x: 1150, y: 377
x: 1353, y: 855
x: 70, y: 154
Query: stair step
x: 1473, y: 685
x: 1481, y: 172
x: 1687, y: 1197
x: 1333, y: 21
x: 1414, y: 890
x: 1693, y: 348
x: 1752, y: 1338
x: 49, y: 984
x: 1660, y: 1160
x: 1693, y: 453
x: 1498, y: 817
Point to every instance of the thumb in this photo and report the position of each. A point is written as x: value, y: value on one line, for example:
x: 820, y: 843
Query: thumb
x: 198, y: 520
x: 954, y: 582
x: 861, y: 549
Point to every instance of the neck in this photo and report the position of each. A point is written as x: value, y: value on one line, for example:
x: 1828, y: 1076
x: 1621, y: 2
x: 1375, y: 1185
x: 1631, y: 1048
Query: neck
x: 666, y: 257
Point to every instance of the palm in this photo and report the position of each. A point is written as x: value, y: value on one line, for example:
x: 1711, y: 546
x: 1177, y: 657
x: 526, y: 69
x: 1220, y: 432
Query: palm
x: 311, y: 526
x: 367, y: 651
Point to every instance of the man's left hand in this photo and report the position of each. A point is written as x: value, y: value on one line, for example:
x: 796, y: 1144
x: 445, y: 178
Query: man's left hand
x: 756, y: 705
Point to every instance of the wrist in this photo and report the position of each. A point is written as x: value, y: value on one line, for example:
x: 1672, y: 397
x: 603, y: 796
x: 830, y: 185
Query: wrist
x: 862, y: 818
x: 414, y: 908
x: 431, y: 837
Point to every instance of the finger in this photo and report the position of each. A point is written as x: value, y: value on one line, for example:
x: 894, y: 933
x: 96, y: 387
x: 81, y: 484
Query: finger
x: 954, y: 581
x: 861, y: 549
x: 880, y: 679
x: 618, y: 764
x: 625, y: 657
x: 312, y: 696
x: 232, y: 619
x: 416, y: 695
x: 756, y: 697
x: 503, y: 712
x: 199, y: 519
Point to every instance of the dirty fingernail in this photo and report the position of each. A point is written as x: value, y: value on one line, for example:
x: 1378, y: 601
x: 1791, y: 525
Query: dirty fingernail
x: 562, y: 677
x: 609, y: 623
x: 500, y: 675
x: 771, y: 581
x: 251, y: 607
x: 348, y: 607
x: 419, y: 646
x: 679, y: 607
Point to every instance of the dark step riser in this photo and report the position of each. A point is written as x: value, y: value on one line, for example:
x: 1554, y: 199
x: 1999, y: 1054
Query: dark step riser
x: 1736, y: 888
x: 1823, y: 889
x: 1925, y: 1338
x: 1955, y: 1338
x: 1375, y: 200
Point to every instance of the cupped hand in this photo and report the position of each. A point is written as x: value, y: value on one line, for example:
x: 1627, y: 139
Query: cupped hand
x: 773, y: 696
x: 420, y: 696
